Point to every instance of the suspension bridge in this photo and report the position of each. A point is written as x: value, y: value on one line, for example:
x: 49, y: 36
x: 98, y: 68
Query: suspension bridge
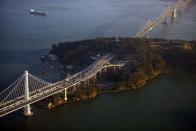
x: 29, y: 89
x: 171, y: 10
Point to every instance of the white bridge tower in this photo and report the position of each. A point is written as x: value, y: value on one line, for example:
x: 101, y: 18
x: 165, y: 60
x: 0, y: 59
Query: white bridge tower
x: 65, y: 94
x: 27, y: 110
x: 174, y: 14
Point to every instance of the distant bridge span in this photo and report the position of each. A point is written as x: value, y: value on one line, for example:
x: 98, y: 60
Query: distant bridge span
x: 148, y: 25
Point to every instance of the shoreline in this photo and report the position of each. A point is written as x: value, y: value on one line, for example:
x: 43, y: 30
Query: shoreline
x: 62, y: 102
x: 154, y: 58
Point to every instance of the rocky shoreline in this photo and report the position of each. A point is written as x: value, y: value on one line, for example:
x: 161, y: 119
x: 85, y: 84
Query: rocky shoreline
x: 60, y: 101
x: 154, y: 57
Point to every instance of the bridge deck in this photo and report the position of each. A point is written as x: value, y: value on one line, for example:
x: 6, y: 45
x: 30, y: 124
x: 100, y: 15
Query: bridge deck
x: 167, y: 12
x: 54, y: 88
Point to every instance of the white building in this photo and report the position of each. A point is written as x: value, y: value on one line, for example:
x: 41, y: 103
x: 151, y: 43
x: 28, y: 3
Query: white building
x: 52, y: 57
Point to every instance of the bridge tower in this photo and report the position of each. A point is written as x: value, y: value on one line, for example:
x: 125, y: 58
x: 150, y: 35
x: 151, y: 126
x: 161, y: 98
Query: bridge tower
x: 166, y: 21
x: 174, y: 14
x: 147, y: 23
x: 27, y: 109
x: 65, y: 94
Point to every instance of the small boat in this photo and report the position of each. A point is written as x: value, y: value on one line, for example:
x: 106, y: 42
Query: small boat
x: 36, y: 12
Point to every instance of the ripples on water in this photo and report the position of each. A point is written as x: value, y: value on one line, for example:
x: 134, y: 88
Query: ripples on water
x: 82, y: 19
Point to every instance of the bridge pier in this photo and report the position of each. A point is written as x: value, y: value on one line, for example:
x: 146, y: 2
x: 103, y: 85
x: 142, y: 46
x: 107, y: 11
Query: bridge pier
x: 94, y: 78
x: 148, y: 22
x: 84, y: 83
x: 166, y: 21
x: 75, y: 86
x: 174, y: 14
x: 65, y: 94
x: 100, y: 73
x: 27, y: 109
x: 105, y: 70
x: 87, y: 82
x: 147, y: 35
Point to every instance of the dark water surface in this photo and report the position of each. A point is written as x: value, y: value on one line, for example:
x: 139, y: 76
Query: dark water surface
x: 165, y: 103
x: 70, y: 20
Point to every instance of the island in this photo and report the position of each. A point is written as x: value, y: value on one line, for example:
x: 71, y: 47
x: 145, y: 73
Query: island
x: 147, y: 59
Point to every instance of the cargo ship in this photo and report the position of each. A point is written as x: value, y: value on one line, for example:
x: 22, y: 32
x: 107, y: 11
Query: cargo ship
x: 36, y: 12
